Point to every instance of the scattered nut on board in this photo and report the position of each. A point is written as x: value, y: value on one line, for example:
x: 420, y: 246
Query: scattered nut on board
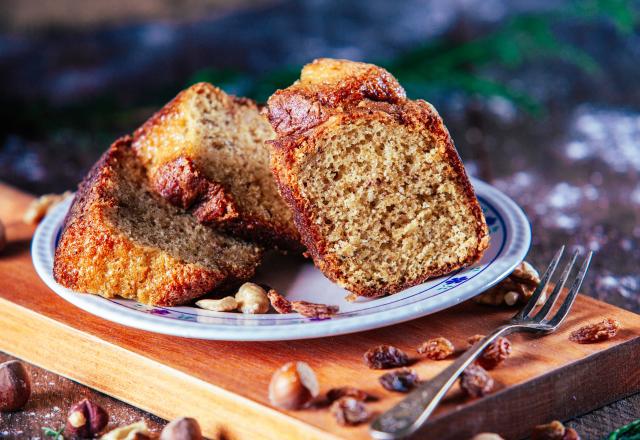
x: 252, y: 299
x: 486, y: 436
x: 517, y: 287
x: 293, y: 386
x: 184, y: 428
x: 15, y: 386
x: 86, y: 419
x: 226, y: 304
x: 135, y: 431
x: 3, y: 237
x: 40, y: 206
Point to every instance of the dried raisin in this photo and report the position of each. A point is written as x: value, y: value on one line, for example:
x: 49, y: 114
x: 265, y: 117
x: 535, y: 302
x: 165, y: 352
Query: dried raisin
x: 385, y: 356
x: 336, y: 393
x: 494, y: 354
x: 600, y: 331
x: 402, y: 381
x: 475, y: 381
x: 436, y: 348
x: 313, y: 310
x: 279, y: 302
x: 349, y: 411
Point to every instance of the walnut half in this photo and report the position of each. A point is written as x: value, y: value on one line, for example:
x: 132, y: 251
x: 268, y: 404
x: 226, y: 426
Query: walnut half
x: 517, y: 287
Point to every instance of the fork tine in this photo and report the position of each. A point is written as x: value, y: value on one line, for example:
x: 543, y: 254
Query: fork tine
x: 563, y: 311
x: 530, y: 305
x: 548, y: 305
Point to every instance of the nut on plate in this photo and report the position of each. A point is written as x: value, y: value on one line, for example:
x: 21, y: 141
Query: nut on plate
x: 135, y: 431
x: 252, y: 299
x: 293, y: 386
x: 15, y: 386
x: 86, y: 419
x: 41, y: 206
x: 226, y: 304
x: 184, y: 428
x: 517, y: 287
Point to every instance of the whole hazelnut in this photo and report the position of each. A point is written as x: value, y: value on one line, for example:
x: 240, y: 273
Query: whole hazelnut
x: 85, y: 419
x: 293, y: 386
x: 15, y: 386
x: 184, y: 428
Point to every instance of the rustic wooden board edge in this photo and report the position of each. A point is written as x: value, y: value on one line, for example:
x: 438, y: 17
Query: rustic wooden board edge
x: 541, y: 400
x: 221, y: 413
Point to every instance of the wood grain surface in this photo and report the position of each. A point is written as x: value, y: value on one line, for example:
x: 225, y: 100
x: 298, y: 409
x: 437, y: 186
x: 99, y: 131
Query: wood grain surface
x: 224, y: 384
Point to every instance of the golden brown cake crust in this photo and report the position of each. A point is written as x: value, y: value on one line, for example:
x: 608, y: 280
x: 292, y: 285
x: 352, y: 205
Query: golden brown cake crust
x: 184, y: 184
x: 327, y: 86
x: 297, y: 139
x: 93, y: 256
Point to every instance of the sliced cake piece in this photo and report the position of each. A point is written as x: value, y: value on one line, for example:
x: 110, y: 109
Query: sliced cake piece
x: 205, y: 151
x: 121, y: 239
x: 378, y: 191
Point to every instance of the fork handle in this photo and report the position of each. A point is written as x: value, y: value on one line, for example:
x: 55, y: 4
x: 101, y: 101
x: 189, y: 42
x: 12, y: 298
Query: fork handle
x: 410, y: 414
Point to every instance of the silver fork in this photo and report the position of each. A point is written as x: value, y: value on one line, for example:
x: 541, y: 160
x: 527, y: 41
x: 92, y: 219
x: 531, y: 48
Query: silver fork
x: 412, y: 412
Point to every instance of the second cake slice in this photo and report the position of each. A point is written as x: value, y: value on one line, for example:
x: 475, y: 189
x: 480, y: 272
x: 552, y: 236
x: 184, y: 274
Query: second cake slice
x: 205, y: 151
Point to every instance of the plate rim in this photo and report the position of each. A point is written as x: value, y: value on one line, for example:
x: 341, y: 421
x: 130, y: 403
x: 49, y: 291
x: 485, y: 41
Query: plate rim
x: 517, y: 243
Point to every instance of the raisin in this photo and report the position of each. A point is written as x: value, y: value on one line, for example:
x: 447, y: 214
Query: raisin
x: 313, y: 310
x: 494, y: 354
x: 336, y: 393
x: 600, y: 331
x: 385, y: 356
x: 279, y: 302
x: 402, y: 381
x: 349, y: 411
x: 436, y: 348
x: 551, y: 431
x: 475, y: 381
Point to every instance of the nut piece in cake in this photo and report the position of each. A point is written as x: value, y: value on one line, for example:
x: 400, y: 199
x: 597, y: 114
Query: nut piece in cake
x: 381, y: 198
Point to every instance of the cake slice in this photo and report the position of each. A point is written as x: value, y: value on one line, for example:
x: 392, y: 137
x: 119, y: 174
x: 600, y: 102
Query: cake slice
x: 121, y: 239
x: 205, y: 151
x: 379, y: 194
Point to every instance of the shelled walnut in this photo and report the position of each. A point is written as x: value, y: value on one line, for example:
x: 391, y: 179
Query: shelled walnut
x: 517, y: 287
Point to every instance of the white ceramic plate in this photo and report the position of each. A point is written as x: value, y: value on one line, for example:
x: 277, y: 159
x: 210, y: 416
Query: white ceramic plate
x: 510, y: 240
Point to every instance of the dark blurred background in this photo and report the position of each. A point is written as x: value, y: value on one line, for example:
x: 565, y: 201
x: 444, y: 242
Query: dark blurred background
x: 542, y: 97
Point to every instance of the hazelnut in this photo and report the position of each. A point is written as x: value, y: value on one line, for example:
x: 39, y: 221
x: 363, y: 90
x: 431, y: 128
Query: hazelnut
x: 135, y: 431
x: 252, y: 299
x: 293, y: 386
x: 85, y: 419
x: 487, y: 436
x: 184, y: 428
x: 226, y: 304
x: 3, y: 237
x: 15, y: 386
x: 41, y: 206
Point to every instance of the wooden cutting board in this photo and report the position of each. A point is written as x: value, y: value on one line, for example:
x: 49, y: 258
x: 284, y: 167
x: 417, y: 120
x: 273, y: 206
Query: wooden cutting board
x: 224, y: 384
